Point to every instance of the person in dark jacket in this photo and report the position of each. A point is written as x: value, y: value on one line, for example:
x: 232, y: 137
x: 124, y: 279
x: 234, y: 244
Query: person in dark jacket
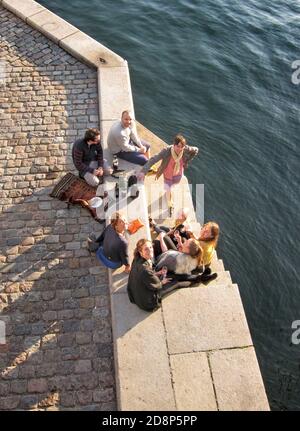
x: 88, y: 159
x: 113, y: 242
x: 146, y: 288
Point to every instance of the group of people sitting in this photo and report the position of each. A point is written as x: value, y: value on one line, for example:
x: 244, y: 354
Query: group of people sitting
x: 124, y: 143
x: 176, y: 258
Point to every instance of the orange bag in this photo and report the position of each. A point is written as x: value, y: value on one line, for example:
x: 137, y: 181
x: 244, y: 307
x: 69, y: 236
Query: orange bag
x: 134, y: 226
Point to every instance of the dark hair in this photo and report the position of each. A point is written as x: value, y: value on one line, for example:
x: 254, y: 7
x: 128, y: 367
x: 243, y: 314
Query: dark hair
x: 179, y: 139
x: 91, y: 134
x: 115, y: 219
x: 139, y: 246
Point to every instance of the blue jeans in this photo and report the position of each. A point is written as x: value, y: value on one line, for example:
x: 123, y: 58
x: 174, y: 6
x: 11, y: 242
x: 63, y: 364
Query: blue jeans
x: 135, y: 156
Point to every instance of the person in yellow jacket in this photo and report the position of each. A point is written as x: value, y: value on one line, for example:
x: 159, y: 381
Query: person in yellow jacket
x: 208, y: 240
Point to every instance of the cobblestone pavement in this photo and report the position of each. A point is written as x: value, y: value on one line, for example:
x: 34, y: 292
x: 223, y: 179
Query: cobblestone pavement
x: 54, y: 296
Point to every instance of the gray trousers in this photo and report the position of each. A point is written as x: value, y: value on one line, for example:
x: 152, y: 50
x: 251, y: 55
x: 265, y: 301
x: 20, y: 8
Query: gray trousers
x: 93, y: 180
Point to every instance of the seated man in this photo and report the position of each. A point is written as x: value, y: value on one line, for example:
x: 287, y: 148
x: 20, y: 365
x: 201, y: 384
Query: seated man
x: 87, y: 157
x: 123, y: 142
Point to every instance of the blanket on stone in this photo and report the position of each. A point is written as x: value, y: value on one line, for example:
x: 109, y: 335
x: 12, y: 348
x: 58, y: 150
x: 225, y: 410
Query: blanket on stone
x: 74, y: 190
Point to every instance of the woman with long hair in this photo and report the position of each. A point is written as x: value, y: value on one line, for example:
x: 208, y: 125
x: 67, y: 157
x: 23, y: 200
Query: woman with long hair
x: 208, y: 240
x: 146, y: 287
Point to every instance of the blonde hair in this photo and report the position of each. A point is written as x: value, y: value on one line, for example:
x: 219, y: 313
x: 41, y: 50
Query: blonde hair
x: 196, y: 251
x: 139, y: 246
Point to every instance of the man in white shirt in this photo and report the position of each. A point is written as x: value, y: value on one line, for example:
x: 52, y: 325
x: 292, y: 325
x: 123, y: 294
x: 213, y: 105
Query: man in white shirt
x: 124, y: 142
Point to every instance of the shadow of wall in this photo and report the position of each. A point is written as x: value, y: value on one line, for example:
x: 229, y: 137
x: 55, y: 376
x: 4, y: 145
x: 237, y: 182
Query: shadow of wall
x: 54, y: 296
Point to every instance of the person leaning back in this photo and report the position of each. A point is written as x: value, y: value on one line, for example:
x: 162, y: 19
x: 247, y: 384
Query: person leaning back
x: 123, y: 141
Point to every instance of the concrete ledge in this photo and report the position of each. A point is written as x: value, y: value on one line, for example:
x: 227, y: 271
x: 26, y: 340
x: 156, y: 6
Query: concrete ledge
x: 157, y: 144
x: 68, y: 37
x: 192, y: 382
x: 51, y: 25
x: 86, y: 49
x: 23, y: 8
x: 237, y: 380
x: 115, y: 89
x: 141, y: 358
x: 210, y: 319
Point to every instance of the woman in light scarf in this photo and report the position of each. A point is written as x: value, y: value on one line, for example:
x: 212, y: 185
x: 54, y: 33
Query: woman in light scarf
x: 174, y: 159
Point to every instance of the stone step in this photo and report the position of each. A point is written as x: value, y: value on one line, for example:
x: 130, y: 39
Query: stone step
x: 141, y: 358
x: 157, y: 203
x: 217, y: 265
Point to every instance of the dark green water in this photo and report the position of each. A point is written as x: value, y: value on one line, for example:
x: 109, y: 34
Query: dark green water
x: 220, y: 72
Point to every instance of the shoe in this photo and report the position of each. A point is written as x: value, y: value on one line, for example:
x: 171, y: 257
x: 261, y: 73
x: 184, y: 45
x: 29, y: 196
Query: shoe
x: 100, y: 220
x: 197, y: 271
x: 206, y: 278
x: 207, y: 271
x: 132, y: 197
x: 92, y: 245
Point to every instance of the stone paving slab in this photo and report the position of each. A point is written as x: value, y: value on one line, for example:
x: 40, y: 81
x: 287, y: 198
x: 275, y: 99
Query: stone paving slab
x: 157, y: 204
x: 192, y: 382
x: 142, y: 362
x: 212, y: 318
x: 237, y: 380
x: 117, y: 97
x: 52, y: 26
x: 23, y: 8
x: 88, y: 50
